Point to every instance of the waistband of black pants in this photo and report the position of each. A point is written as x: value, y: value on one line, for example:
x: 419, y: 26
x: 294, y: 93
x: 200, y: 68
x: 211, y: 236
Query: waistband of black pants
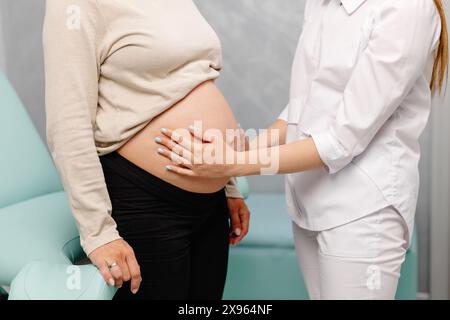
x: 156, y: 186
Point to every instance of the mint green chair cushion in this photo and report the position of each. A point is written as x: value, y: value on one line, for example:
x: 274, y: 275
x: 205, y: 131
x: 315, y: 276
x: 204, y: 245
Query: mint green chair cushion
x: 26, y: 169
x: 259, y: 273
x: 42, y: 230
x: 265, y: 266
x: 38, y: 238
x: 34, y: 229
x: 62, y: 282
x: 243, y: 186
x: 270, y: 225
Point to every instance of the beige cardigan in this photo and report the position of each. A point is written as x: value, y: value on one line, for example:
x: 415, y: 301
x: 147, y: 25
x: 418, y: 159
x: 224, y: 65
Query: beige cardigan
x: 110, y: 67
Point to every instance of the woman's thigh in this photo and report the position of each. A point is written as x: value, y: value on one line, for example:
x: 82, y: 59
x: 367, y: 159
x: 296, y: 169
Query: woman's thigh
x: 159, y: 233
x: 362, y: 259
x: 209, y: 254
x: 180, y: 238
x: 162, y: 250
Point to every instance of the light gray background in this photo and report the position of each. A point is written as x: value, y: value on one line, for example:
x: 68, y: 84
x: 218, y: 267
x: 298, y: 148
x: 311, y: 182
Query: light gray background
x: 258, y: 38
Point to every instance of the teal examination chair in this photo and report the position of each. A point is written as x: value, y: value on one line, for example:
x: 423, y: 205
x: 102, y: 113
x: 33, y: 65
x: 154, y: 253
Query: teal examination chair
x: 39, y: 242
x: 264, y: 266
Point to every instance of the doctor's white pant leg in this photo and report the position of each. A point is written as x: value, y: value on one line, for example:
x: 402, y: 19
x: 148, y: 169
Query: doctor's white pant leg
x: 358, y: 260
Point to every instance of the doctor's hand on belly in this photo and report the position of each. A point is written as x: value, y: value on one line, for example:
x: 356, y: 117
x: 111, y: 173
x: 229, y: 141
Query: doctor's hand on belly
x: 206, y: 105
x: 206, y: 154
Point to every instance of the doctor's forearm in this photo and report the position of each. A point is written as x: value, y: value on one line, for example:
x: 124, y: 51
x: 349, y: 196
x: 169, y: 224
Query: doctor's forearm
x: 288, y: 158
x: 273, y: 136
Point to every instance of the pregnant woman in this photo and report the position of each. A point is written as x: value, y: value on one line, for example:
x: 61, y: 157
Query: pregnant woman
x: 361, y: 90
x: 116, y: 71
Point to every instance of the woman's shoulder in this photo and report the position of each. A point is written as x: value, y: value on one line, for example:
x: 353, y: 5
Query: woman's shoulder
x: 61, y: 9
x: 85, y: 4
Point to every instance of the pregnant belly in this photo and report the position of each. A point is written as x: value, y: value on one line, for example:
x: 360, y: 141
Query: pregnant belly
x: 206, y: 104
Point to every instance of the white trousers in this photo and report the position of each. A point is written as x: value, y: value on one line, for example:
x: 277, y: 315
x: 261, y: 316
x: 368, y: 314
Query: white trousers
x: 358, y: 260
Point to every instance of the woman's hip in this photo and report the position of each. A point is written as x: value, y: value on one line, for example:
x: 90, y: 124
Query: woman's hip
x: 137, y: 194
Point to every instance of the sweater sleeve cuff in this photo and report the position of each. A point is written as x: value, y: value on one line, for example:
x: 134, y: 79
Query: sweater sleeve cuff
x: 232, y: 190
x: 105, y: 237
x: 330, y: 151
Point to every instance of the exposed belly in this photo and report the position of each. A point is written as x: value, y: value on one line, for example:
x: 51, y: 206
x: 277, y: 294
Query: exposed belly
x: 206, y: 104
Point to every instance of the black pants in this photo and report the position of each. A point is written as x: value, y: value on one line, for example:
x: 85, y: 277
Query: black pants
x: 180, y: 238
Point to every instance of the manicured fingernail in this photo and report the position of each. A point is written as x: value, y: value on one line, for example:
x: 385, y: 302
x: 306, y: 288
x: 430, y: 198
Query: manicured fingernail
x: 192, y: 128
x: 237, y: 232
x: 111, y: 282
x: 158, y: 140
x: 164, y: 130
x: 134, y: 291
x: 160, y: 150
x: 168, y: 168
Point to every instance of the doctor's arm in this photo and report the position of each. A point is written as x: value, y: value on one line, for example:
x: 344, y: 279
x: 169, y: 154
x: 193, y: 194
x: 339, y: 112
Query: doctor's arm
x: 275, y: 135
x: 387, y: 70
x: 395, y: 57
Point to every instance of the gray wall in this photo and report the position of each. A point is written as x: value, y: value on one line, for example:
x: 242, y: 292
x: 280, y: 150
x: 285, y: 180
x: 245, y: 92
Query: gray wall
x: 2, y: 49
x: 258, y: 38
x: 22, y: 28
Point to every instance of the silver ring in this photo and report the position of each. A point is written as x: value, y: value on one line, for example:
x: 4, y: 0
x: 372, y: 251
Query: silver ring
x: 112, y: 265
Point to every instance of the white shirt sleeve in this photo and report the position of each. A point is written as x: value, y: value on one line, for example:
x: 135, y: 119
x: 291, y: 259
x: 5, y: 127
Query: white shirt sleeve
x: 400, y: 46
x: 284, y: 114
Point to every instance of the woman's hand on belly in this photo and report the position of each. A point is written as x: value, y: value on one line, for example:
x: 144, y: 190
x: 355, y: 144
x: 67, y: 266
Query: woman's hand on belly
x: 192, y: 157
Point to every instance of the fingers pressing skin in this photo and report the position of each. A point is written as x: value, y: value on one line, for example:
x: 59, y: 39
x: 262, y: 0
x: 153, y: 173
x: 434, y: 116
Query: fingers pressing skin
x: 175, y: 157
x: 172, y: 146
x: 201, y: 136
x: 195, y: 133
x: 173, y: 138
x: 193, y: 159
x: 176, y: 153
x: 180, y: 171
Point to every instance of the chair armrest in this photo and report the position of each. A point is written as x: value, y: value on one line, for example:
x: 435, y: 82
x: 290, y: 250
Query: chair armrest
x: 47, y: 281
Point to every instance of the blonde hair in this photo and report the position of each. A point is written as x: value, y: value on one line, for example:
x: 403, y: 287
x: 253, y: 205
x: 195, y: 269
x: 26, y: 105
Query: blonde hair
x: 440, y: 68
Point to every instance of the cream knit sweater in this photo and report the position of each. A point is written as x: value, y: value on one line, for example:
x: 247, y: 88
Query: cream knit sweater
x: 110, y: 67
